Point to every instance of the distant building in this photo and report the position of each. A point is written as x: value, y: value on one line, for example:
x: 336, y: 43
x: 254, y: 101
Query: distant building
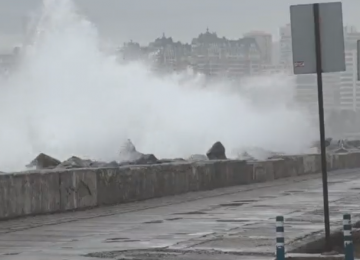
x: 215, y: 56
x: 264, y: 41
x: 349, y: 85
x: 351, y: 35
x: 170, y: 55
x: 307, y: 92
x: 270, y: 69
x: 285, y: 45
x: 164, y: 54
x: 132, y: 51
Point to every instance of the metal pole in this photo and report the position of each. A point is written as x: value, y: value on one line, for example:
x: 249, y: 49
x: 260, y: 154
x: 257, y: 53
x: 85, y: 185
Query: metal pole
x: 322, y: 124
x: 348, y: 242
x: 280, y: 240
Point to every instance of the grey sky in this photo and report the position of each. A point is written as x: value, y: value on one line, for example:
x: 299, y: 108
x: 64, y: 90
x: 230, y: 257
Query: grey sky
x: 144, y: 20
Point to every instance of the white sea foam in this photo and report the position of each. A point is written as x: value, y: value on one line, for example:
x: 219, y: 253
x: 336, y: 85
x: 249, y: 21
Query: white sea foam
x: 68, y: 98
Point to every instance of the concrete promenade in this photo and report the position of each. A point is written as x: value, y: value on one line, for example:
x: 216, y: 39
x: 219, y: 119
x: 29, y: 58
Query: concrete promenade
x: 228, y: 223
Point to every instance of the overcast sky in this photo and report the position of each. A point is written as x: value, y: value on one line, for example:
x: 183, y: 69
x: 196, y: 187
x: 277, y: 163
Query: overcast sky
x: 144, y: 20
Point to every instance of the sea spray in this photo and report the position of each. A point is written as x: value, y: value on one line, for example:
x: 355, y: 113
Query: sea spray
x: 68, y: 98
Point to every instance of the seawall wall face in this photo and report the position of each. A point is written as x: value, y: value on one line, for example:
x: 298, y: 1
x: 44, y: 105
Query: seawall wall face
x: 52, y: 191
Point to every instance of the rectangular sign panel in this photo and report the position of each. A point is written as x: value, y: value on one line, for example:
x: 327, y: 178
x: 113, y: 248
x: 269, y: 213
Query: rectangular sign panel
x: 303, y: 38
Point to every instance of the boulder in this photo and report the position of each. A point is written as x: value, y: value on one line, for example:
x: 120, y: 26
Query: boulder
x: 75, y: 162
x: 147, y: 159
x: 43, y: 161
x: 112, y: 164
x: 130, y: 156
x: 143, y: 159
x: 96, y: 164
x: 328, y: 143
x: 216, y: 152
x: 128, y: 152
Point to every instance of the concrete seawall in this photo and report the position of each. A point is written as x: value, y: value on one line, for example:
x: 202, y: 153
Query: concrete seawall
x: 42, y: 192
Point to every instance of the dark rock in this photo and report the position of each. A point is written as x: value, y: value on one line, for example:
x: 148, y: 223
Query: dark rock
x: 328, y: 142
x: 128, y: 152
x: 144, y: 159
x: 147, y: 159
x: 75, y: 162
x: 112, y: 164
x: 216, y: 152
x: 130, y: 156
x: 43, y: 161
x: 97, y: 164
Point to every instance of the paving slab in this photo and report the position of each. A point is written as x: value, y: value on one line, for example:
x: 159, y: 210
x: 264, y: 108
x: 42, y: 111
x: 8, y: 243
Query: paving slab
x: 229, y: 223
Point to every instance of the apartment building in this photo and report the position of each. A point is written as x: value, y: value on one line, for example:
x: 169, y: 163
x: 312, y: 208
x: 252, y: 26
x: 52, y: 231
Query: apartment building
x: 307, y: 92
x: 341, y: 90
x: 163, y: 54
x: 349, y: 91
x: 285, y: 45
x: 170, y: 56
x: 215, y: 56
x: 271, y: 69
x: 265, y: 44
x: 350, y: 86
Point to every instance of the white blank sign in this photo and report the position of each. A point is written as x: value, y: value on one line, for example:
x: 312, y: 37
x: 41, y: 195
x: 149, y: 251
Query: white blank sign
x: 303, y: 38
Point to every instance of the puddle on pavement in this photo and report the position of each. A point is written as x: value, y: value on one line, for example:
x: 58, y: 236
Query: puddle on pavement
x: 268, y: 197
x: 235, y: 204
x: 318, y: 246
x: 153, y: 222
x: 334, y: 210
x: 335, y: 182
x: 191, y: 213
x: 232, y: 220
x: 291, y: 192
x: 119, y: 239
x: 173, y: 219
x: 245, y: 201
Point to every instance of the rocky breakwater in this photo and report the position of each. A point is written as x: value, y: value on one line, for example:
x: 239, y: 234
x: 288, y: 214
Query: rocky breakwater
x: 57, y: 186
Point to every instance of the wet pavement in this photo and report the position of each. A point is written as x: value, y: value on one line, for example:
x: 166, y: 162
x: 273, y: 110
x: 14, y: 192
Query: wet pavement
x: 230, y: 223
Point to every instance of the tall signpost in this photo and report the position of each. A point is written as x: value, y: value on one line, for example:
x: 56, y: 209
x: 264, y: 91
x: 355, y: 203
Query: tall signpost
x: 318, y: 47
x: 358, y: 59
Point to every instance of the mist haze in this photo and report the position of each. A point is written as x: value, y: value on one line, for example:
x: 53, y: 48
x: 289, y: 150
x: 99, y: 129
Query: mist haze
x: 68, y: 98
